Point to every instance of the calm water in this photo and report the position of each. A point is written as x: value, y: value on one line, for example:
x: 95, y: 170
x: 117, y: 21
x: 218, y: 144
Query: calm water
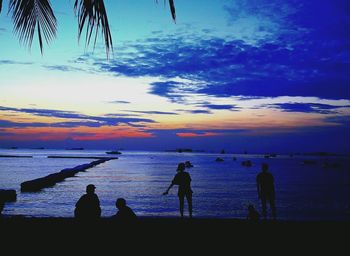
x: 221, y: 189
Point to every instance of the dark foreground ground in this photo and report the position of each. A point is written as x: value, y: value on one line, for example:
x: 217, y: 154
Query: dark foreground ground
x: 175, y: 233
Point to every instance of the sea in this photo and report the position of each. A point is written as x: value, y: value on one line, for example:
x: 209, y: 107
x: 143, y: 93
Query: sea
x: 310, y: 191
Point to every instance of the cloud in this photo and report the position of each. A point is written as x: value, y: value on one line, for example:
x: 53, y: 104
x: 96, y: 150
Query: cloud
x: 196, y: 111
x: 13, y: 62
x: 306, y: 107
x: 192, y: 134
x: 119, y: 102
x: 84, y: 120
x: 219, y: 107
x: 342, y: 120
x: 296, y: 53
x: 153, y: 112
x: 187, y: 133
x: 64, y: 68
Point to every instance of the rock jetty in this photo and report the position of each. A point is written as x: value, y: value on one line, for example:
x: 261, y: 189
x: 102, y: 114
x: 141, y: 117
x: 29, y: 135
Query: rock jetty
x: 52, y: 179
x: 8, y: 195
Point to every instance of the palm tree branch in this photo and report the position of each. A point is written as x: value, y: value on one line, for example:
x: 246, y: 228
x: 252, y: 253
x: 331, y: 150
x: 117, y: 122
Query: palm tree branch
x: 172, y: 8
x: 29, y: 15
x: 93, y: 15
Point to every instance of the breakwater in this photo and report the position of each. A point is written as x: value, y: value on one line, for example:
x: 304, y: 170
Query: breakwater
x: 14, y: 156
x: 52, y: 179
x: 83, y: 157
x: 8, y: 195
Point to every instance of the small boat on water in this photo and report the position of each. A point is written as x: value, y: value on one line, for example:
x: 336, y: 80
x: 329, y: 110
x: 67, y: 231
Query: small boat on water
x: 219, y: 159
x: 247, y: 163
x: 115, y: 152
x: 309, y: 162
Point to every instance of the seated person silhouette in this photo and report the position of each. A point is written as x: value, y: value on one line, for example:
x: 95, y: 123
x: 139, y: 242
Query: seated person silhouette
x: 88, y: 206
x: 253, y: 214
x: 124, y: 212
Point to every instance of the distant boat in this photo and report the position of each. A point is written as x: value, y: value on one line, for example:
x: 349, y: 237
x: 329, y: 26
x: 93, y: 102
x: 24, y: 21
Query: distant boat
x: 331, y: 165
x: 219, y: 159
x: 309, y: 162
x: 113, y: 152
x: 182, y: 150
x: 247, y: 163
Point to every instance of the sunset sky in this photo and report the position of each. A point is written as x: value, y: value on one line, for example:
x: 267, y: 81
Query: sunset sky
x: 241, y: 75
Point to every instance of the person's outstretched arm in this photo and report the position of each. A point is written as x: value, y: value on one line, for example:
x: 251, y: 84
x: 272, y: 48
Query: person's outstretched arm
x: 167, y: 191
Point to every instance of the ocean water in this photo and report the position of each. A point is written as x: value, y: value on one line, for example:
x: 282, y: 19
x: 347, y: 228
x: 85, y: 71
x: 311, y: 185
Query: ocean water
x: 221, y: 189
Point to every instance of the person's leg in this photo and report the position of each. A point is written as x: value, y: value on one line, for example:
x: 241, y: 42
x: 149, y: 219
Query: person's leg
x: 189, y: 202
x: 182, y: 201
x: 263, y: 205
x: 273, y: 206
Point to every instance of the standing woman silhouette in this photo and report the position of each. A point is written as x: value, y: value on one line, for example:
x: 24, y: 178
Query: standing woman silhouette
x: 183, y: 180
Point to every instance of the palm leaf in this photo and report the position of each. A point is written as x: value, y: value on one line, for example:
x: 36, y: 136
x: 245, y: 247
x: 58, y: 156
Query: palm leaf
x: 0, y: 5
x: 93, y: 14
x: 29, y: 15
x: 172, y: 8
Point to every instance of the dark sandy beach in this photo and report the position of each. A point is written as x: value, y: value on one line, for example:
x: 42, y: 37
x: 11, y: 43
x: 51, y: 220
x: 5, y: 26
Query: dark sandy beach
x: 172, y: 236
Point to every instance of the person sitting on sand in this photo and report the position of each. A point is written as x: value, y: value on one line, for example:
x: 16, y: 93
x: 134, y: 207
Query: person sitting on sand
x: 88, y: 206
x: 183, y: 180
x: 266, y: 189
x: 253, y: 214
x: 124, y: 212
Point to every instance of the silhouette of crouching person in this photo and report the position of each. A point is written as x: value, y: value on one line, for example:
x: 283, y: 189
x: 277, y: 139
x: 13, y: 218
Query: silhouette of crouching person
x: 88, y: 206
x: 253, y: 214
x: 124, y: 214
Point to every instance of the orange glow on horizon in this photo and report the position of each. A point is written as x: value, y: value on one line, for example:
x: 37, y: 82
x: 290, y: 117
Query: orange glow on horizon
x: 78, y: 133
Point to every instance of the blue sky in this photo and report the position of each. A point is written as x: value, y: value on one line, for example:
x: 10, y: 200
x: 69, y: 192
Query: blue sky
x: 241, y: 75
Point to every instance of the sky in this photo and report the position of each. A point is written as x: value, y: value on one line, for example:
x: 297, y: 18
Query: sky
x: 240, y: 75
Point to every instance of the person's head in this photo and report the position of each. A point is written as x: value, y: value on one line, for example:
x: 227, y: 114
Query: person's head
x: 264, y: 167
x: 181, y: 167
x: 120, y: 203
x: 90, y: 189
x: 251, y: 208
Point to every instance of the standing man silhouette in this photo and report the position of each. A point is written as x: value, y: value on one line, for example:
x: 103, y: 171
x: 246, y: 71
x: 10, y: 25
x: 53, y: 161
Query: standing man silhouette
x: 183, y: 180
x: 266, y: 190
x: 88, y: 206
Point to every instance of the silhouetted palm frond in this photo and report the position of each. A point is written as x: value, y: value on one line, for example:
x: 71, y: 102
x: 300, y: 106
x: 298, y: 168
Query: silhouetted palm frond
x: 93, y: 14
x: 29, y: 15
x: 172, y: 8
